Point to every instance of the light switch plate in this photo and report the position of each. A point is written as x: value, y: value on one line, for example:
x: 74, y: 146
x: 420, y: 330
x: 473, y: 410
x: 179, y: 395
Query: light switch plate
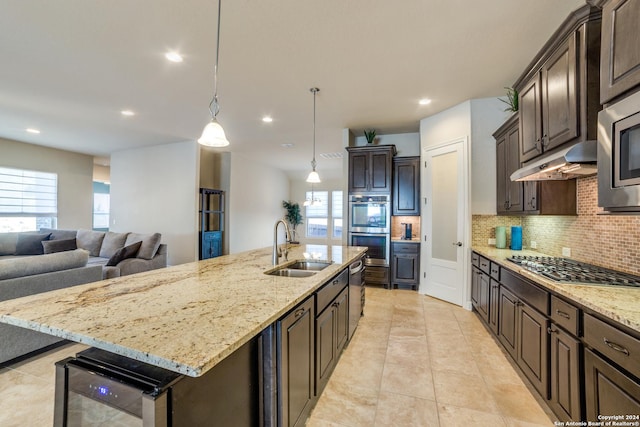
x: 566, y: 252
x: 534, y: 244
x: 492, y: 242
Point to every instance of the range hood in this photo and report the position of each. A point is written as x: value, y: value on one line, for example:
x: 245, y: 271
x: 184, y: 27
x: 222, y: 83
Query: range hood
x: 575, y: 161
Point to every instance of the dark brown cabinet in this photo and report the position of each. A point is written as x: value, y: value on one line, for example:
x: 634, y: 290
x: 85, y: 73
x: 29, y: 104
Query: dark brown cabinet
x: 620, y: 58
x: 565, y: 353
x: 480, y: 285
x: 405, y: 265
x: 296, y: 349
x: 558, y: 93
x: 509, y: 193
x: 494, y: 306
x: 406, y: 186
x: 370, y: 168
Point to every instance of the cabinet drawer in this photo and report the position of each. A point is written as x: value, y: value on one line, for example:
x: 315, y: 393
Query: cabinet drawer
x: 565, y: 315
x: 618, y: 346
x: 485, y: 265
x: 406, y: 248
x: 475, y: 259
x: 328, y: 292
x: 495, y: 271
x: 377, y: 275
x: 536, y: 297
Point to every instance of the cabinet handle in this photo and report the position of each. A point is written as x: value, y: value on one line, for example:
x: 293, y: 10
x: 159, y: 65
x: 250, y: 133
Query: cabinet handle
x: 563, y: 314
x: 545, y: 140
x: 335, y: 304
x: 299, y: 312
x: 616, y: 347
x: 551, y: 330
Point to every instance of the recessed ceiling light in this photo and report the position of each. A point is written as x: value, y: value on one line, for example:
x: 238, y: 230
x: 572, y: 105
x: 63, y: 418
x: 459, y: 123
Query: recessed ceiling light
x: 31, y: 130
x: 287, y: 145
x: 424, y: 101
x: 127, y: 113
x: 173, y: 56
x: 267, y: 119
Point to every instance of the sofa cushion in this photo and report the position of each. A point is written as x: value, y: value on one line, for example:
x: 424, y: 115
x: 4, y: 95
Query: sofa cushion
x: 150, y: 244
x: 90, y: 240
x: 59, y: 234
x: 111, y: 243
x: 8, y: 243
x: 29, y: 266
x: 53, y: 246
x: 124, y: 253
x: 30, y: 243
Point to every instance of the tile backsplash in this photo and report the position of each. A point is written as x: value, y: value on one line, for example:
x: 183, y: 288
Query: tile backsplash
x: 397, y: 229
x: 611, y: 241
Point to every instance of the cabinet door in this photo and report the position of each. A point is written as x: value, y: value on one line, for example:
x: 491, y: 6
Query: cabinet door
x: 342, y: 320
x: 530, y: 196
x: 530, y: 120
x: 483, y: 296
x: 406, y: 186
x: 565, y: 374
x: 296, y: 353
x: 380, y: 171
x: 559, y: 96
x: 508, y: 317
x: 405, y: 268
x: 533, y: 347
x: 494, y: 306
x: 501, y: 175
x: 620, y: 59
x: 475, y: 287
x: 326, y: 354
x: 514, y: 188
x: 358, y: 174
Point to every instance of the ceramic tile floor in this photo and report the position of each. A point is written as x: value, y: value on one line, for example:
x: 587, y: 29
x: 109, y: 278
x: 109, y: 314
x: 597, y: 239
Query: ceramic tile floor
x: 414, y: 361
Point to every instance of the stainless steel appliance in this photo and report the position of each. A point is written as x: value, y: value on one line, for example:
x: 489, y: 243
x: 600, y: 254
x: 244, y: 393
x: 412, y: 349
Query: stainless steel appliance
x: 356, y: 294
x: 370, y: 213
x: 619, y: 155
x: 564, y: 270
x: 379, y: 247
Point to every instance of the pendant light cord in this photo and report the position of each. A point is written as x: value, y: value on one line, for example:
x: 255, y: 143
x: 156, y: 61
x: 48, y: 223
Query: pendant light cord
x: 214, y: 108
x: 313, y: 162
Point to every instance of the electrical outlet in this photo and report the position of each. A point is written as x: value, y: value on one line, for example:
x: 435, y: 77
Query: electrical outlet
x: 566, y: 252
x: 492, y: 242
x: 533, y: 244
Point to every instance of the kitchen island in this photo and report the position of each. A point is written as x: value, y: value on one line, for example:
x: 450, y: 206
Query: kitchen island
x: 188, y: 318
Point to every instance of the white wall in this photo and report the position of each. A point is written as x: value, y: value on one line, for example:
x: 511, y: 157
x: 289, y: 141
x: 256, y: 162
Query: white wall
x: 75, y: 182
x: 255, y: 196
x: 407, y: 144
x: 446, y: 126
x: 154, y: 189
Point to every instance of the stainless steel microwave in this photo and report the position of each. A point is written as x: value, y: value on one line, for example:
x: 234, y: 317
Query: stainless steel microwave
x: 619, y: 155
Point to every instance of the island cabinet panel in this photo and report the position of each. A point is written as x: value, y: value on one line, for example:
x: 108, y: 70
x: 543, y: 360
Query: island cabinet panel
x: 332, y: 332
x: 566, y: 371
x: 296, y: 351
x: 620, y: 59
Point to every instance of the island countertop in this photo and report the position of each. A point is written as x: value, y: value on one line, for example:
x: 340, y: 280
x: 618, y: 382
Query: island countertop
x: 619, y: 303
x: 185, y: 318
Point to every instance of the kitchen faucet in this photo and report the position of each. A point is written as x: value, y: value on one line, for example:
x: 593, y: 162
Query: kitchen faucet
x: 276, y: 251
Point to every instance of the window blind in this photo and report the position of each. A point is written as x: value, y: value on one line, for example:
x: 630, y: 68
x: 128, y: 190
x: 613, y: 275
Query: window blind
x: 24, y: 192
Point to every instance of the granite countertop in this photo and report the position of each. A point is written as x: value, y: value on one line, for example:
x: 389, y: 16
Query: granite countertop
x: 618, y: 303
x: 401, y: 240
x: 185, y: 318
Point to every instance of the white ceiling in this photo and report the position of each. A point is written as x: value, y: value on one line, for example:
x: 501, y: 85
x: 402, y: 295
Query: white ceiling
x: 69, y: 66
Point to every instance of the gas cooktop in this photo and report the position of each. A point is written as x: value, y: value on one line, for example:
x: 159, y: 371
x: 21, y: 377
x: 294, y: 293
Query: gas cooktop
x: 565, y: 270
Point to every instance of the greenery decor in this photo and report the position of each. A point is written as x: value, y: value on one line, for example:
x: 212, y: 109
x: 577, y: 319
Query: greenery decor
x: 512, y: 99
x: 370, y: 135
x: 293, y: 216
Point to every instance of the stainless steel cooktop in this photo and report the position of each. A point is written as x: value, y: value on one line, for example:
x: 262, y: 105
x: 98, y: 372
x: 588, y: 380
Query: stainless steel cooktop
x: 565, y: 270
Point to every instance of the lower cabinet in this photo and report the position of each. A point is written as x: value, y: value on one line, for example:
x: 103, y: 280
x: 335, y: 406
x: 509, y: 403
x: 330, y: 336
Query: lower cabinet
x: 565, y: 398
x: 480, y: 287
x: 296, y: 374
x: 405, y: 265
x: 494, y: 306
x: 332, y: 331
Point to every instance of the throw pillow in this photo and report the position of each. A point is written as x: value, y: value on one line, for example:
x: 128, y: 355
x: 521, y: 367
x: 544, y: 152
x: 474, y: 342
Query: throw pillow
x: 150, y: 244
x: 124, y: 253
x: 8, y: 243
x: 53, y: 246
x: 90, y: 240
x: 30, y: 244
x: 111, y: 243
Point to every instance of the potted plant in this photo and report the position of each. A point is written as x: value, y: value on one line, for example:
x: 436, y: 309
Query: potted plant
x: 293, y: 217
x: 512, y: 100
x: 370, y: 135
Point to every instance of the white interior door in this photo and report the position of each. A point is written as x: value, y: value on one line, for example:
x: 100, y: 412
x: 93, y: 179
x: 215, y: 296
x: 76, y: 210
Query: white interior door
x: 444, y: 210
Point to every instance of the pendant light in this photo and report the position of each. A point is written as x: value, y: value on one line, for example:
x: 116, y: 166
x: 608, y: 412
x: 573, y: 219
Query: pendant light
x: 313, y: 177
x: 313, y: 201
x: 213, y: 134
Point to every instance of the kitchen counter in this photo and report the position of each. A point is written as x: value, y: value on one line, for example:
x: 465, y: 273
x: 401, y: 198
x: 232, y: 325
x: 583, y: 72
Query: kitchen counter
x: 618, y: 303
x: 185, y: 318
x: 400, y: 240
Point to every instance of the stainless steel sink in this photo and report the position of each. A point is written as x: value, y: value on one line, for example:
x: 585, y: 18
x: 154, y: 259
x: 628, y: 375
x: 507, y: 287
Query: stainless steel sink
x: 286, y: 272
x: 301, y: 268
x: 309, y: 265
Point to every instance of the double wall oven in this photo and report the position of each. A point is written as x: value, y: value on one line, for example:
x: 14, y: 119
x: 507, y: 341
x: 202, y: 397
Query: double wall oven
x: 370, y: 225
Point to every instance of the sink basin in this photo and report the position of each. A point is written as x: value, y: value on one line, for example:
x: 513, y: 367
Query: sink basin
x: 286, y: 272
x: 309, y: 265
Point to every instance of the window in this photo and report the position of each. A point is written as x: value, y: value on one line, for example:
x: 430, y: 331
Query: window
x: 324, y: 220
x: 28, y: 200
x: 101, y: 203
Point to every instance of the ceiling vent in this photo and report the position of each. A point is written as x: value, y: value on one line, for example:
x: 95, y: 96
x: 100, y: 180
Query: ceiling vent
x: 330, y: 156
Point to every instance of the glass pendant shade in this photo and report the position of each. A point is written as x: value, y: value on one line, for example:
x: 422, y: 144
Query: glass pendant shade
x: 213, y: 135
x: 313, y: 177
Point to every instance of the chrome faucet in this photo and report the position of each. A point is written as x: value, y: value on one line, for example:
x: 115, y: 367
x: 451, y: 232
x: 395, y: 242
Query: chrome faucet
x: 276, y: 252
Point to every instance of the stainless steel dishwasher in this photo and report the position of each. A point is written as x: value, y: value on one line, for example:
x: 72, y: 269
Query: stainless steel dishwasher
x: 356, y: 294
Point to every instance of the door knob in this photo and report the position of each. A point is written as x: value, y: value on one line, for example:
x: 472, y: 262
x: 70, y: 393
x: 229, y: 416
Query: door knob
x: 457, y: 243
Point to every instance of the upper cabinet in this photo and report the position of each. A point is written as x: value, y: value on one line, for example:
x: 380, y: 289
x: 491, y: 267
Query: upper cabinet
x: 509, y: 193
x: 370, y: 168
x: 558, y: 93
x: 406, y: 186
x: 620, y: 61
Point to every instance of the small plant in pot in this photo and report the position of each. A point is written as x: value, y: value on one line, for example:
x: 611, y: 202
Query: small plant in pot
x: 293, y: 217
x: 370, y: 135
x: 512, y: 100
